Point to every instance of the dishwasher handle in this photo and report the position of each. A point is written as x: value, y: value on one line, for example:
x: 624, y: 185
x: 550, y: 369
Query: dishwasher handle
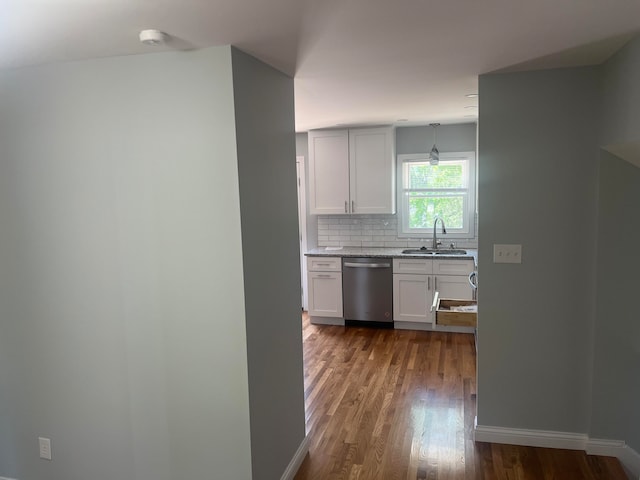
x: 366, y: 265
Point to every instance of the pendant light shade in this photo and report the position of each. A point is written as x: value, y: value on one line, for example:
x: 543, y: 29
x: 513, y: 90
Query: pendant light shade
x: 434, y: 159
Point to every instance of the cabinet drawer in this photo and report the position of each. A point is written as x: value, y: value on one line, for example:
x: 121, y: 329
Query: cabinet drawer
x: 458, y: 313
x: 412, y: 265
x: 453, y: 267
x: 324, y: 264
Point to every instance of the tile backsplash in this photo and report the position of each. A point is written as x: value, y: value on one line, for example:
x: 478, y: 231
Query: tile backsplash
x: 373, y: 231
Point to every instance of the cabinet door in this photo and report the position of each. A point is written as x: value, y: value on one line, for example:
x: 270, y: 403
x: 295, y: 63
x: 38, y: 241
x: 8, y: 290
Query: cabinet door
x: 325, y: 294
x: 453, y: 287
x: 371, y: 159
x: 329, y: 172
x: 412, y: 296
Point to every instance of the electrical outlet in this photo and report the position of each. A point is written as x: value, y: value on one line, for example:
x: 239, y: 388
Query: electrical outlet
x: 507, y: 253
x: 45, y: 448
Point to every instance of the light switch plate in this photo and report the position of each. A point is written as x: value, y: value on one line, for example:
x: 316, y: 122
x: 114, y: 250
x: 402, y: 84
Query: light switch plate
x: 507, y: 253
x: 45, y: 447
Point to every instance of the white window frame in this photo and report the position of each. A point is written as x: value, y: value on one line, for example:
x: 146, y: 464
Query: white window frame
x: 468, y: 231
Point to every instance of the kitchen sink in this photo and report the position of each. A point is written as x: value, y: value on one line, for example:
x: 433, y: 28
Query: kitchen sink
x: 431, y: 251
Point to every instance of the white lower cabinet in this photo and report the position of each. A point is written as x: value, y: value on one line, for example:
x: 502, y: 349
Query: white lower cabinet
x: 324, y: 281
x: 413, y: 292
x: 411, y: 298
x: 325, y: 294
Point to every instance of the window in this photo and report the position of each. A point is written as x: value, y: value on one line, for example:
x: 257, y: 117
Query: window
x: 446, y: 190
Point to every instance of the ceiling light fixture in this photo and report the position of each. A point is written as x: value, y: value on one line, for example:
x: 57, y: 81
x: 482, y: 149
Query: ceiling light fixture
x: 434, y: 159
x: 153, y: 37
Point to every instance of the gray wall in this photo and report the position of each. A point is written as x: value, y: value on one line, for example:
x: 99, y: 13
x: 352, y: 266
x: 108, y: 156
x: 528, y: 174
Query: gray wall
x: 268, y: 200
x: 616, y: 390
x: 122, y: 314
x: 621, y: 113
x: 616, y: 394
x: 450, y: 138
x: 537, y: 187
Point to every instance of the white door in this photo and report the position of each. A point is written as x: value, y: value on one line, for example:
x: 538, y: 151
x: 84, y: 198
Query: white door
x: 412, y: 296
x: 329, y: 172
x: 325, y: 294
x: 302, y: 222
x: 371, y: 161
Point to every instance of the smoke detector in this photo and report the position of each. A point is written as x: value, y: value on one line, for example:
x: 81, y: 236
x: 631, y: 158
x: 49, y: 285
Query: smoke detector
x: 152, y: 37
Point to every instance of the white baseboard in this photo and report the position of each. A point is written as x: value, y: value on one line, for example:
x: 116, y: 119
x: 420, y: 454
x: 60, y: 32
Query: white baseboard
x: 607, y: 448
x: 428, y: 327
x: 296, y: 461
x: 530, y: 438
x: 629, y: 458
x: 336, y: 321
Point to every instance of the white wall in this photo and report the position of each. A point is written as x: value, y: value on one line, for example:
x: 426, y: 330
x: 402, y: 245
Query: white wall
x: 122, y: 324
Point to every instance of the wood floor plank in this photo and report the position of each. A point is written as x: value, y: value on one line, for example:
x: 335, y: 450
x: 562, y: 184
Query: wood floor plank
x: 400, y: 405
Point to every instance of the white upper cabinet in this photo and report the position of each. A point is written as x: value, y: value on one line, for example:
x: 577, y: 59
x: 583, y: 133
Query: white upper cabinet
x: 328, y: 171
x: 372, y: 179
x: 352, y: 171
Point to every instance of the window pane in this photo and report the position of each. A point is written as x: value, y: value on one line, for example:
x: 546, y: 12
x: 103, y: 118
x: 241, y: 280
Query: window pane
x: 424, y: 208
x: 444, y: 175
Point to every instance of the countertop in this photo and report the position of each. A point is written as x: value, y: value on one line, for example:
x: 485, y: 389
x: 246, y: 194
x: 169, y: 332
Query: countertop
x: 384, y: 252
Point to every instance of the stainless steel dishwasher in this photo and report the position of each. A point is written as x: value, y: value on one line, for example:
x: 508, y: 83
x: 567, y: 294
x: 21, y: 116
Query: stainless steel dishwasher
x: 367, y: 290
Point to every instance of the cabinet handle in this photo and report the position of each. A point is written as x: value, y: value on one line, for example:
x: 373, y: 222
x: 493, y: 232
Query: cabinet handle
x: 353, y: 206
x: 428, y: 283
x: 346, y: 207
x: 323, y: 276
x: 434, y: 305
x: 435, y: 283
x: 323, y: 264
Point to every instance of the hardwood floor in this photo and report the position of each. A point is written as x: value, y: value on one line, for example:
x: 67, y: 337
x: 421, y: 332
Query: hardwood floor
x: 394, y: 404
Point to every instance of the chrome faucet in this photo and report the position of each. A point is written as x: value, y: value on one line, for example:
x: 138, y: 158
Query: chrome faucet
x: 435, y: 236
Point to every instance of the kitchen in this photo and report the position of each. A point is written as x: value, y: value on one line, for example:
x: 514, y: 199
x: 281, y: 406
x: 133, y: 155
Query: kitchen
x: 376, y: 231
x: 366, y: 272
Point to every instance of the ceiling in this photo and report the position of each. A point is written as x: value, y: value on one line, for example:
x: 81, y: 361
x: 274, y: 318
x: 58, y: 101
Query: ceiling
x: 355, y: 62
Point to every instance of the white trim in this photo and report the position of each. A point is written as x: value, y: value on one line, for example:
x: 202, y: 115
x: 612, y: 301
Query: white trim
x: 302, y: 222
x: 296, y: 461
x: 629, y: 458
x: 530, y: 438
x: 607, y: 448
x: 428, y: 327
x: 335, y: 321
x: 471, y: 201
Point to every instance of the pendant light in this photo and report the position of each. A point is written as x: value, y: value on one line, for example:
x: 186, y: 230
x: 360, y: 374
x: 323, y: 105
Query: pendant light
x: 435, y: 154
